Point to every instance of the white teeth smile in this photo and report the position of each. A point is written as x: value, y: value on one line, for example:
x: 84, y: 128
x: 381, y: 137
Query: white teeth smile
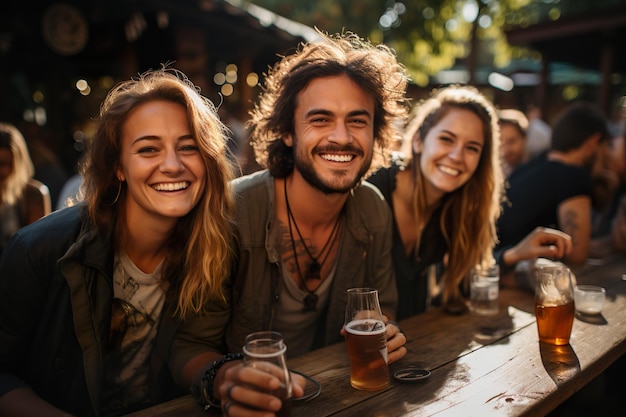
x: 337, y: 158
x: 171, y: 186
x: 449, y: 171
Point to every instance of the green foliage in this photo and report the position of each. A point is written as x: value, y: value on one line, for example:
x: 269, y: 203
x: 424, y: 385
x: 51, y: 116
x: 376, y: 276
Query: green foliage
x: 433, y: 35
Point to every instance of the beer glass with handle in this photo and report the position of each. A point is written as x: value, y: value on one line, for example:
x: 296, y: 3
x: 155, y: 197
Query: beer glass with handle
x: 266, y: 351
x: 554, y: 303
x: 366, y: 340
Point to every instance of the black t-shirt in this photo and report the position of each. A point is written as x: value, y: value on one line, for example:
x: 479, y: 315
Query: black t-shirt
x: 534, y: 194
x: 411, y: 270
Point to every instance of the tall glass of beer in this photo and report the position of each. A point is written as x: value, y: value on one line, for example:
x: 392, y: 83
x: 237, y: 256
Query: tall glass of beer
x: 366, y: 340
x: 554, y: 303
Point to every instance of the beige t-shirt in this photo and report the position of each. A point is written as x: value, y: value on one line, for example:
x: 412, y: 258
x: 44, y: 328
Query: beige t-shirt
x: 139, y: 301
x: 298, y: 327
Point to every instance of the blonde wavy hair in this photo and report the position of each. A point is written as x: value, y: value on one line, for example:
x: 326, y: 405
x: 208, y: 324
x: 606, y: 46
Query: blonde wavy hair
x: 469, y: 214
x: 200, y: 250
x: 12, y: 188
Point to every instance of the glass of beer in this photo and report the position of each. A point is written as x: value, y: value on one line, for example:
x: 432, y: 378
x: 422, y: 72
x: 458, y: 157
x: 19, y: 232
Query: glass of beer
x: 554, y: 303
x: 266, y: 351
x: 366, y: 340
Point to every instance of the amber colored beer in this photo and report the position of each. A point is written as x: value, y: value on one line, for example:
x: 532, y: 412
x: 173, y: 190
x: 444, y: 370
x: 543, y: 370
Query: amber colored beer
x: 366, y: 341
x: 554, y: 323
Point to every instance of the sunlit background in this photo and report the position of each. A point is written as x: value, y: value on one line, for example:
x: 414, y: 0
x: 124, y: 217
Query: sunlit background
x: 59, y: 58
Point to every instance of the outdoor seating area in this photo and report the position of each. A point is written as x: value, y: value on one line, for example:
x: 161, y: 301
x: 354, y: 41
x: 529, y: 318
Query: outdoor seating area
x: 312, y: 209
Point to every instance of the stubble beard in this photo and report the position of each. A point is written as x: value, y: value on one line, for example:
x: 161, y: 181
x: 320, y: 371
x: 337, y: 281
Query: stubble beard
x: 304, y: 165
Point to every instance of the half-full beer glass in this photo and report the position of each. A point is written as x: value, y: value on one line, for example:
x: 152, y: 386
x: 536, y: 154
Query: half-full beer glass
x: 554, y: 303
x: 366, y: 340
x: 266, y: 351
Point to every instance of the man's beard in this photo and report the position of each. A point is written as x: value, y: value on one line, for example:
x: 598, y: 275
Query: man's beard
x: 304, y: 165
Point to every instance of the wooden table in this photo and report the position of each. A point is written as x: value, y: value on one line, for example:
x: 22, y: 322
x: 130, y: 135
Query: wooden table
x: 480, y: 366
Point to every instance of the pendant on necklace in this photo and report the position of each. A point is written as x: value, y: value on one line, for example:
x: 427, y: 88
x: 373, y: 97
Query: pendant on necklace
x: 313, y: 272
x: 310, y: 302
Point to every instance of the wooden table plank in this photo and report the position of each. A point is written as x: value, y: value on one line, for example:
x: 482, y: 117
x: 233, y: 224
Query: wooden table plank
x: 481, y: 366
x: 516, y: 376
x: 429, y: 348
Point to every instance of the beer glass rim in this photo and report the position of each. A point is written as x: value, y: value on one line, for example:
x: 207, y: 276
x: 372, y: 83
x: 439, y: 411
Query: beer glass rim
x: 265, y: 338
x: 362, y: 290
x: 257, y: 355
x: 552, y: 266
x: 590, y: 288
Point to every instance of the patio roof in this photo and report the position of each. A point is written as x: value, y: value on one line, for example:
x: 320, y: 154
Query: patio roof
x: 590, y: 41
x: 578, y: 40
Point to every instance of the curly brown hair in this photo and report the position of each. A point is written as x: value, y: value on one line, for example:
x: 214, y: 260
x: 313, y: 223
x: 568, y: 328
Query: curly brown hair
x: 374, y: 68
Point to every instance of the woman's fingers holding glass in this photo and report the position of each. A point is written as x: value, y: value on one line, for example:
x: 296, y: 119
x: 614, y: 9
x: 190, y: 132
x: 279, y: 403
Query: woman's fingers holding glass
x: 249, y: 388
x: 267, y: 368
x: 260, y: 377
x: 249, y: 401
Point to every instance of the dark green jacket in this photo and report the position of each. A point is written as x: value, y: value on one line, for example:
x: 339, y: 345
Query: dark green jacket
x: 364, y: 259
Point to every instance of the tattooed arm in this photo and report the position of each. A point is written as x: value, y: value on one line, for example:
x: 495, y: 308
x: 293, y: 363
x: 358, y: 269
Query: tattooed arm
x: 574, y: 216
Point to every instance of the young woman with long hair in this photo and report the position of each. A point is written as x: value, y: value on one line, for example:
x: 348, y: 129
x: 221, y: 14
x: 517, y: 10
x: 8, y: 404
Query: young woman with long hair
x: 446, y: 190
x: 116, y: 303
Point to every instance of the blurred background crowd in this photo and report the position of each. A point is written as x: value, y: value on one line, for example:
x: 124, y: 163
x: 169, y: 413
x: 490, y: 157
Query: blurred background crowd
x: 532, y: 59
x: 59, y: 58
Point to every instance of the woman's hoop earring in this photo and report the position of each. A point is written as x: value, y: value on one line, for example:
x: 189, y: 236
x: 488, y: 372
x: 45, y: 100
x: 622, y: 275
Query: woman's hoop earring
x: 119, y: 191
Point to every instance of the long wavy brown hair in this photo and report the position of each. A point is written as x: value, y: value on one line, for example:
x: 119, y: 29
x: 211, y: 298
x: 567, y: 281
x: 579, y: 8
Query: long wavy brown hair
x: 469, y: 214
x: 374, y: 68
x: 200, y: 248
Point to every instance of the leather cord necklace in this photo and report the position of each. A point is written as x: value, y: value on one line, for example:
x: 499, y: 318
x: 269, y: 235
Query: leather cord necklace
x: 315, y: 268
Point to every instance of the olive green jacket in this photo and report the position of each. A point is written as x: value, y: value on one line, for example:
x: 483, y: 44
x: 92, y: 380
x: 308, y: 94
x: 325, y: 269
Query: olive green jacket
x: 364, y: 259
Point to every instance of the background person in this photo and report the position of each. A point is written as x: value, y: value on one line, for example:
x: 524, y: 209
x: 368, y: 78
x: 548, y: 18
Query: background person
x: 556, y: 190
x: 308, y: 228
x: 513, y: 126
x: 48, y: 167
x: 608, y: 179
x: 116, y: 303
x: 538, y: 134
x: 70, y: 193
x: 618, y: 216
x: 23, y: 199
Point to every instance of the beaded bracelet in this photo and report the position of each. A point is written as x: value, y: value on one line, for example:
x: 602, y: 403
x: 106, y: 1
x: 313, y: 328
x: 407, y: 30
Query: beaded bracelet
x: 210, y: 402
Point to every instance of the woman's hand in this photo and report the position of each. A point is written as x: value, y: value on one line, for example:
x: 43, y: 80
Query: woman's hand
x: 244, y: 391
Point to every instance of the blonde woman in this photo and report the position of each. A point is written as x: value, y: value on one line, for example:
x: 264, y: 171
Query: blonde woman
x: 109, y: 303
x: 446, y: 195
x: 22, y: 198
